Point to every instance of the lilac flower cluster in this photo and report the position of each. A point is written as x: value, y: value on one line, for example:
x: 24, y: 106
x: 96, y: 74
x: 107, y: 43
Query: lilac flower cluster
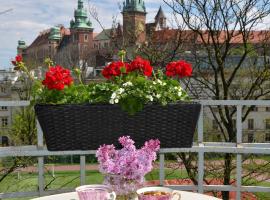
x: 128, y: 162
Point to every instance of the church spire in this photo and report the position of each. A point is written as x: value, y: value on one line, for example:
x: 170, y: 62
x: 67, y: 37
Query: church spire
x: 134, y: 5
x: 81, y: 18
x: 160, y: 14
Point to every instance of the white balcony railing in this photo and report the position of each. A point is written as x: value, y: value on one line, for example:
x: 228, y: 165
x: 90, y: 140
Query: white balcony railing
x: 199, y: 147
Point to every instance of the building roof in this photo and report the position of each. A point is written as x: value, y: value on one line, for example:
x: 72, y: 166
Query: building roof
x: 160, y: 14
x: 171, y: 35
x: 221, y: 36
x: 43, y: 37
x: 104, y: 35
x: 167, y: 35
x: 134, y: 5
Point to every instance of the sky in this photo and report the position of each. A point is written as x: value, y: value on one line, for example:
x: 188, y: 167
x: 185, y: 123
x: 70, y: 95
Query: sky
x: 29, y: 17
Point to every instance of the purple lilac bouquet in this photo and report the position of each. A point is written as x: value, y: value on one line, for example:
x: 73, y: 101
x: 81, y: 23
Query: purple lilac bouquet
x: 129, y: 163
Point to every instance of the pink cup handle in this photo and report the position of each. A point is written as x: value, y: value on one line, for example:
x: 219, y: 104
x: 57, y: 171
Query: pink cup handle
x: 176, y: 195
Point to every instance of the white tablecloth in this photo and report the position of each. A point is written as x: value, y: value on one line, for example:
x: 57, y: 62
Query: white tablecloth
x: 74, y: 196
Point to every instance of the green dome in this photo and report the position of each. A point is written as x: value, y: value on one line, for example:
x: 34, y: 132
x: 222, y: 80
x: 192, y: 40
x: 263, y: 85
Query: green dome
x: 55, y: 34
x: 134, y: 5
x: 81, y: 18
x: 80, y: 13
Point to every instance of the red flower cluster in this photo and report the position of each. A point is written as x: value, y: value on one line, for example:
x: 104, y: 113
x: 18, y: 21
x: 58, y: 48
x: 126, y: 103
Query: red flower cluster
x: 57, y: 78
x: 118, y: 68
x: 141, y: 65
x: 114, y: 69
x: 180, y: 68
x: 17, y: 60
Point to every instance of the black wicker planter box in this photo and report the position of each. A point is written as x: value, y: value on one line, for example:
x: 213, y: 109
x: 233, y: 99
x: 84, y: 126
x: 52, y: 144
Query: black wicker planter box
x: 86, y: 127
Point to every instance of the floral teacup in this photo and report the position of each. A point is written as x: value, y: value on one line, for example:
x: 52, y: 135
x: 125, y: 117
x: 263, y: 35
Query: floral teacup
x: 158, y: 193
x: 95, y: 192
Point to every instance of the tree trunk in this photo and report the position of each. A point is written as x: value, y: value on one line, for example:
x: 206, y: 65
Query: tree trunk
x: 227, y: 174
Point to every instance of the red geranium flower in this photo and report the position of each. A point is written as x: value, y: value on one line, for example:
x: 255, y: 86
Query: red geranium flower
x: 57, y: 78
x: 141, y: 65
x: 180, y: 68
x: 114, y: 69
x: 17, y: 60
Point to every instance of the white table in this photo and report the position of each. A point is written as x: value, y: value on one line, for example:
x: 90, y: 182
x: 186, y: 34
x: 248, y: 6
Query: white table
x: 74, y: 196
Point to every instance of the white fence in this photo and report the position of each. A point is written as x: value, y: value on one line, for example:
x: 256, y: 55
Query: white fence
x: 199, y: 147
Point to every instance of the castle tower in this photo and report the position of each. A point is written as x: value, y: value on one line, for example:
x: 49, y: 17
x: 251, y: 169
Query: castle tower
x: 134, y: 17
x: 161, y: 19
x: 21, y: 47
x: 54, y: 40
x: 81, y: 28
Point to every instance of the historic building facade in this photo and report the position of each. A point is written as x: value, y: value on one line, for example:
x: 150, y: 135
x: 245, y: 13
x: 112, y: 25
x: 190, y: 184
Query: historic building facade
x: 69, y: 46
x: 53, y: 42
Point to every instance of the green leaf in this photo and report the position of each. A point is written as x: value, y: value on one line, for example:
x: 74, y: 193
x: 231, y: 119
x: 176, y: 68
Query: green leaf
x: 131, y: 105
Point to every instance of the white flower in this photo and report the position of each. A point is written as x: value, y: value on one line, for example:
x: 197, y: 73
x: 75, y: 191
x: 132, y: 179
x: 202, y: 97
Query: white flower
x: 163, y: 84
x: 113, y: 95
x: 150, y: 97
x: 159, y: 81
x: 111, y: 101
x: 127, y: 84
x: 116, y: 101
x: 121, y: 90
x: 158, y: 96
x: 180, y: 93
x: 154, y: 82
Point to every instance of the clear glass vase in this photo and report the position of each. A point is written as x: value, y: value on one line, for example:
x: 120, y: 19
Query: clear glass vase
x: 124, y: 188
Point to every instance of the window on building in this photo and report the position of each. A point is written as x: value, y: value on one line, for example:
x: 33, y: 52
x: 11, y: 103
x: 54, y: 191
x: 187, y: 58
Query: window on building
x: 214, y: 125
x: 4, y: 108
x: 267, y: 124
x: 105, y: 44
x: 267, y: 109
x: 75, y: 37
x: 267, y: 137
x: 4, y: 121
x: 85, y: 37
x: 250, y: 137
x: 3, y: 90
x: 254, y: 109
x: 251, y: 124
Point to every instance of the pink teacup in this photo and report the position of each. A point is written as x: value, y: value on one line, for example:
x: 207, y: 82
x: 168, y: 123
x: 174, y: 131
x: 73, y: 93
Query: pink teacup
x: 95, y: 192
x: 158, y: 193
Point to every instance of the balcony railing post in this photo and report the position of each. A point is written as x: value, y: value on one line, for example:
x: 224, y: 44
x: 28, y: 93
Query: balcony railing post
x: 201, y: 153
x: 161, y: 169
x: 82, y: 169
x: 200, y: 170
x: 239, y: 156
x: 40, y: 160
x: 239, y: 124
x: 200, y: 127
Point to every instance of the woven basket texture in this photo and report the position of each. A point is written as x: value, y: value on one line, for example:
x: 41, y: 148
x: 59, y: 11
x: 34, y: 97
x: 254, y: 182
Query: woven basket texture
x: 86, y: 127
